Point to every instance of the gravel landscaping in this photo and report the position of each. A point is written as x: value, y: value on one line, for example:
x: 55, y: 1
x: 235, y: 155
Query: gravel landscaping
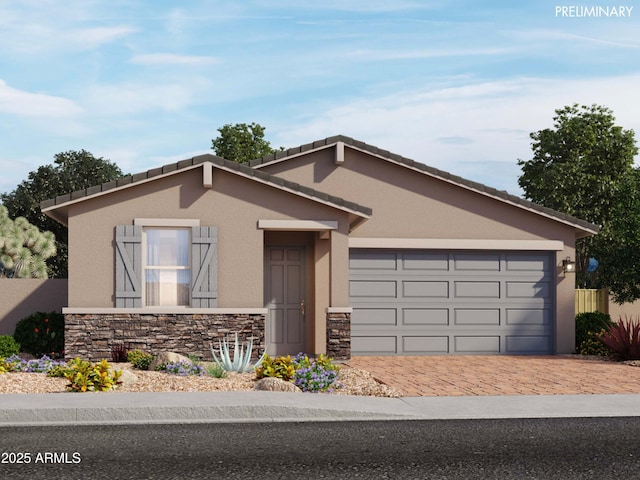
x: 354, y: 382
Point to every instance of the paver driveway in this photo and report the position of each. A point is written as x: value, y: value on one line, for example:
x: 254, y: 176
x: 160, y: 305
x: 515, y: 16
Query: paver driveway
x: 500, y: 375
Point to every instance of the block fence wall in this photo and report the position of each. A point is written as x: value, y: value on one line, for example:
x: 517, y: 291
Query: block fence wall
x: 91, y: 336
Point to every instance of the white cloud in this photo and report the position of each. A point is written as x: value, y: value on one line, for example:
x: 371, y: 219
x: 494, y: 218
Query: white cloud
x: 161, y: 59
x: 484, y: 121
x: 38, y: 105
x: 137, y: 98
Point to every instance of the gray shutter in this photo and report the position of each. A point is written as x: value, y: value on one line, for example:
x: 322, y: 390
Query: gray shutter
x: 128, y: 266
x: 204, y: 267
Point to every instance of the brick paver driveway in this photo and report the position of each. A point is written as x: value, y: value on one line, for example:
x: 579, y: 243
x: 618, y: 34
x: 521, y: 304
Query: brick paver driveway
x: 500, y: 375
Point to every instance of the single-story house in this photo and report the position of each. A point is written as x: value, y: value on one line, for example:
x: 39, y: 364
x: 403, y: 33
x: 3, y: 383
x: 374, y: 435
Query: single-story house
x: 333, y: 247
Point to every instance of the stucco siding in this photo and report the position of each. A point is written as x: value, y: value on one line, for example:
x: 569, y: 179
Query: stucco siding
x: 409, y: 204
x: 234, y: 205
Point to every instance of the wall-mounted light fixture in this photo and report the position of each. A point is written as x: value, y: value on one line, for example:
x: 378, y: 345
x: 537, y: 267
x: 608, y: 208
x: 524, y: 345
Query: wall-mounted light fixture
x: 568, y: 265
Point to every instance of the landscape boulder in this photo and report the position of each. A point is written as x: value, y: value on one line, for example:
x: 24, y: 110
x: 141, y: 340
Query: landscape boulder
x: 167, y: 357
x: 272, y: 384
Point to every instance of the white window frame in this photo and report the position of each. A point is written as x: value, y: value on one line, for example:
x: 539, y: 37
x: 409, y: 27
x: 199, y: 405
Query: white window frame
x: 164, y: 224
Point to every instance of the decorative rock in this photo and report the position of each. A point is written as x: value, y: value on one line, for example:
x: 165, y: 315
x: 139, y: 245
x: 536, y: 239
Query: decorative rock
x: 167, y: 357
x: 127, y: 377
x: 273, y: 384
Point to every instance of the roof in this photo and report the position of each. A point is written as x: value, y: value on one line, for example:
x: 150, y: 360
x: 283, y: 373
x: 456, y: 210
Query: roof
x: 500, y: 195
x: 50, y: 206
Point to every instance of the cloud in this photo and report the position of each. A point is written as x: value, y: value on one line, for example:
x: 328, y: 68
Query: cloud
x: 132, y: 98
x: 487, y: 121
x: 37, y: 105
x: 380, y: 55
x: 160, y: 59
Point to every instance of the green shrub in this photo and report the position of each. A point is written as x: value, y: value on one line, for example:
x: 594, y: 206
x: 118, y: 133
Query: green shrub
x: 315, y: 375
x: 623, y: 338
x: 85, y: 376
x: 41, y: 334
x: 139, y: 359
x: 589, y: 328
x: 215, y: 370
x: 8, y: 346
x: 280, y: 367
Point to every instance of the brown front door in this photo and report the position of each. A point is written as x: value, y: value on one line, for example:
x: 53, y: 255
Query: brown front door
x: 284, y: 297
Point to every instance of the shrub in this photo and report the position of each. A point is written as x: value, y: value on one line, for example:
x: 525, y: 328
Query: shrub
x: 241, y: 362
x: 139, y: 359
x: 623, y: 339
x: 317, y: 375
x: 41, y: 365
x: 183, y: 368
x: 216, y: 370
x: 41, y: 334
x: 85, y: 376
x: 310, y: 375
x: 589, y: 328
x: 280, y: 367
x: 119, y: 353
x: 8, y: 346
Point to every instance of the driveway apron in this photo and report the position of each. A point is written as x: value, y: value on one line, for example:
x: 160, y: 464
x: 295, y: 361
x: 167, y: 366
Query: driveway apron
x: 500, y: 375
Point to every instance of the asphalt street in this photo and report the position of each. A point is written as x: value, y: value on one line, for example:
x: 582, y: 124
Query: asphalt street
x: 558, y: 448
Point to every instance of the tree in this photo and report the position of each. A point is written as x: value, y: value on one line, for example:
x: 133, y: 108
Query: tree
x: 584, y: 167
x: 23, y: 248
x: 241, y: 142
x: 72, y: 171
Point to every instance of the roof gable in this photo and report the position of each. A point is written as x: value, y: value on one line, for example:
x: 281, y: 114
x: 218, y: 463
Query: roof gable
x: 583, y: 227
x: 53, y: 207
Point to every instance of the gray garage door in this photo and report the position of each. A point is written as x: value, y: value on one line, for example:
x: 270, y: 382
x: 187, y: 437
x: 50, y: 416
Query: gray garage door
x: 416, y: 302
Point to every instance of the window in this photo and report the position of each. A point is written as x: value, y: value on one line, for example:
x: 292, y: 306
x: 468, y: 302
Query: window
x: 166, y: 263
x: 167, y: 271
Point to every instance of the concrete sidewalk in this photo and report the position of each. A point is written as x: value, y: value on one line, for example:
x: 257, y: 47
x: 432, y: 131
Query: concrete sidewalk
x: 233, y: 407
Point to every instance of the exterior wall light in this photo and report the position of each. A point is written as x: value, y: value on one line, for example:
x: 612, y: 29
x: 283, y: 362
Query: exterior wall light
x: 568, y: 265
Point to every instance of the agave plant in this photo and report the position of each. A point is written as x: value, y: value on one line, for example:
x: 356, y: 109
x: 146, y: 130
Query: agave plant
x: 241, y: 362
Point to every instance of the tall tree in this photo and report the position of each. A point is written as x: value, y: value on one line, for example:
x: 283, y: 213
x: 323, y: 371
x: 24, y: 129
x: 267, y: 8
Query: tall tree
x: 71, y: 171
x: 584, y: 167
x: 241, y: 142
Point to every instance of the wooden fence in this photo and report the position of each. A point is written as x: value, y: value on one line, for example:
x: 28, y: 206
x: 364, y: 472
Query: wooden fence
x: 592, y: 300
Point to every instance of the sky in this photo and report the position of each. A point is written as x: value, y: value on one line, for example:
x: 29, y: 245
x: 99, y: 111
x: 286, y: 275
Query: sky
x: 458, y: 85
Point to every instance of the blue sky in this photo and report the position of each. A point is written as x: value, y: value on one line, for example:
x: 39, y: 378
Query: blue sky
x: 458, y: 85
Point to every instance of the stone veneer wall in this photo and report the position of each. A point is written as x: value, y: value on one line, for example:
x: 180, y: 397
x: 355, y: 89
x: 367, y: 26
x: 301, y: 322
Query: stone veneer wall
x: 91, y: 336
x: 339, y: 336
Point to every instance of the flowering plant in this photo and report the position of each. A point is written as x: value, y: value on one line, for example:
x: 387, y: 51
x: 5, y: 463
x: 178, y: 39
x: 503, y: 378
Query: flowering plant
x: 41, y: 365
x: 315, y: 375
x: 183, y: 368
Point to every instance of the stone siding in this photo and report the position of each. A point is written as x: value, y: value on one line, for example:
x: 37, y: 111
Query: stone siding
x: 91, y: 336
x: 339, y: 336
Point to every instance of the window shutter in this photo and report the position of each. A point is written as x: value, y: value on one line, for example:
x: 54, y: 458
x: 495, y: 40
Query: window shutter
x: 128, y: 266
x: 204, y: 267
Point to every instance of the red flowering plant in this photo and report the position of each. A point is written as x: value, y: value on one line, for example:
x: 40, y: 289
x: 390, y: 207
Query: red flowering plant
x: 41, y: 334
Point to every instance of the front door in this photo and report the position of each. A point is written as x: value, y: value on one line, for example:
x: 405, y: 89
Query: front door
x: 285, y: 297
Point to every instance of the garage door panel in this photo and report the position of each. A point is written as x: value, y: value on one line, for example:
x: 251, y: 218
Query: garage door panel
x: 373, y: 261
x: 374, y: 345
x: 477, y: 289
x: 425, y: 289
x: 436, y: 302
x: 374, y: 316
x: 485, y: 316
x: 528, y: 316
x: 528, y: 289
x: 476, y: 344
x: 528, y: 263
x: 484, y: 262
x: 528, y: 344
x: 425, y: 261
x: 416, y: 345
x: 425, y: 316
x: 372, y: 288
